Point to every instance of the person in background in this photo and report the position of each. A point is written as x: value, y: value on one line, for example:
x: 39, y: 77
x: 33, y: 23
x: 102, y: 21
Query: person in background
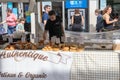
x: 108, y: 21
x: 20, y: 26
x: 53, y: 26
x: 77, y: 21
x: 45, y: 15
x: 11, y: 21
x: 99, y: 24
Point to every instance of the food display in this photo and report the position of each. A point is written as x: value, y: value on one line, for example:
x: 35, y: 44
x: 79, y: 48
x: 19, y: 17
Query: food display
x: 10, y: 47
x: 73, y: 42
x: 72, y: 47
x: 21, y: 46
x: 64, y: 47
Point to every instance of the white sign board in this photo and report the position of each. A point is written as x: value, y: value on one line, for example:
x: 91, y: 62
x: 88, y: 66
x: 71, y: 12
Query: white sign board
x: 103, y: 4
x: 35, y: 65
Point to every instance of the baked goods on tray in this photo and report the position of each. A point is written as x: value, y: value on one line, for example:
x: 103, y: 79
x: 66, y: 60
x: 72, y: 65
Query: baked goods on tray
x: 21, y: 46
x: 64, y: 47
x: 46, y: 47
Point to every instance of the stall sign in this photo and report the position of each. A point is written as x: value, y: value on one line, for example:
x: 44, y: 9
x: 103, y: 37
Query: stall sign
x: 35, y: 65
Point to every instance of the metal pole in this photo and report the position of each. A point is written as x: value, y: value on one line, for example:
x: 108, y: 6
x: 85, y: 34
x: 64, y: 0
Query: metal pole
x: 63, y: 13
x: 4, y: 14
x: 20, y: 8
x: 34, y: 22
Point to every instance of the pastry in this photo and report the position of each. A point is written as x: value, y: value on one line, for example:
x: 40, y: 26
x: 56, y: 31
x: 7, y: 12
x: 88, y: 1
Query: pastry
x: 65, y: 49
x: 55, y: 49
x: 72, y: 50
x: 80, y: 49
x: 34, y: 47
x: 44, y: 49
x: 12, y: 47
x: 49, y: 48
x: 7, y: 48
x: 41, y: 42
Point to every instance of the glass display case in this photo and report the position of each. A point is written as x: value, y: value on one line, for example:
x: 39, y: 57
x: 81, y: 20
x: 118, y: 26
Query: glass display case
x: 102, y: 40
x: 88, y: 41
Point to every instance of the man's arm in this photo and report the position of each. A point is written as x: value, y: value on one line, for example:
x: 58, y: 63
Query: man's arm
x: 45, y: 18
x: 45, y: 21
x: 46, y: 28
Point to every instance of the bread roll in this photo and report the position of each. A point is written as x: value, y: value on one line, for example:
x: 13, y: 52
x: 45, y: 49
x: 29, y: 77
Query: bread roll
x: 12, y: 48
x: 34, y: 47
x: 7, y: 48
x: 44, y: 49
x: 65, y: 49
x: 55, y: 49
x: 80, y: 49
x: 72, y: 50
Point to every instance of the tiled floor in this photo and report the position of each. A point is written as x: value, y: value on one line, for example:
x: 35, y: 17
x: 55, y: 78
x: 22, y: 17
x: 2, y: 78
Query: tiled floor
x: 96, y: 65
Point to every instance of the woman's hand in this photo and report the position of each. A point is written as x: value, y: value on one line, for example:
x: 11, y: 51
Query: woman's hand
x: 115, y: 20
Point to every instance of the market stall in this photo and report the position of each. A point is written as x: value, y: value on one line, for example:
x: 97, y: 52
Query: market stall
x: 77, y: 58
x: 72, y: 60
x: 76, y: 40
x: 35, y: 65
